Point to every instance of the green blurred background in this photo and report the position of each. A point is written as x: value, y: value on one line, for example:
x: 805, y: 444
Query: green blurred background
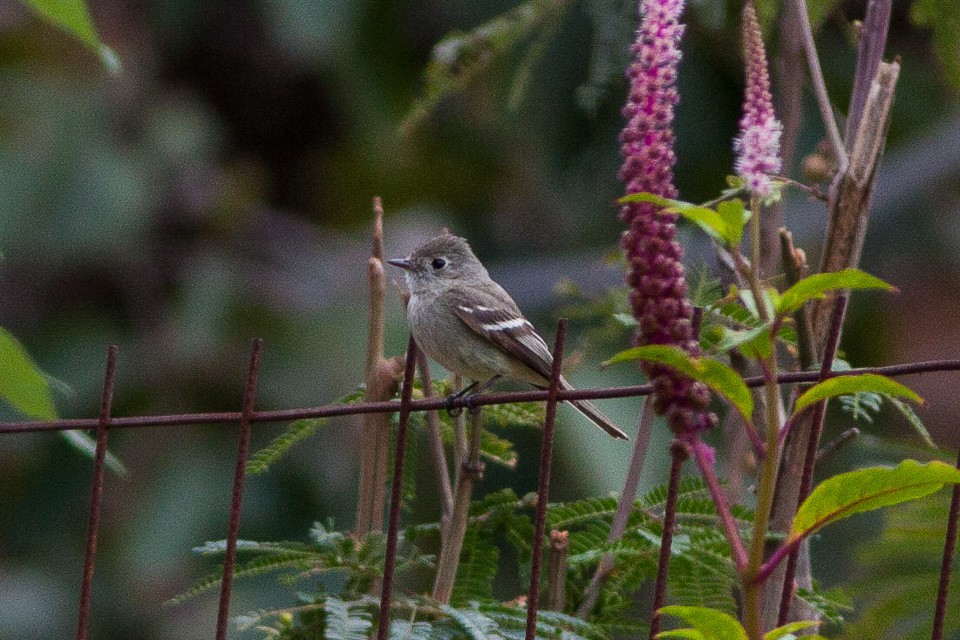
x: 220, y: 188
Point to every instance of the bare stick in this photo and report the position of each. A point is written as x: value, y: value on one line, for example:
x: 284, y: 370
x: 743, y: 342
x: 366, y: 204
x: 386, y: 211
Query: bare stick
x: 831, y: 447
x: 851, y: 192
x: 819, y: 86
x: 393, y: 528
x: 543, y: 485
x: 471, y: 471
x: 624, y: 507
x: 557, y: 570
x: 873, y: 40
x: 381, y: 381
x: 437, y: 453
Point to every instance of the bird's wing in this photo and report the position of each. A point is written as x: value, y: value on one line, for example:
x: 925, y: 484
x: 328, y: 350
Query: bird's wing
x: 495, y: 316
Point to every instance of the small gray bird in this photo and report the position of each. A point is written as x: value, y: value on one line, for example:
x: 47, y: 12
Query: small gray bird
x: 468, y: 323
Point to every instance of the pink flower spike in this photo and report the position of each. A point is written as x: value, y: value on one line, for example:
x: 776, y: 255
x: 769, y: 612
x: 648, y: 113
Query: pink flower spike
x: 656, y: 275
x: 757, y: 147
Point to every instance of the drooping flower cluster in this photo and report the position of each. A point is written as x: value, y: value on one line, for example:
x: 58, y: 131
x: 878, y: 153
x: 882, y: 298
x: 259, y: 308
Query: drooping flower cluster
x: 656, y: 276
x: 757, y: 147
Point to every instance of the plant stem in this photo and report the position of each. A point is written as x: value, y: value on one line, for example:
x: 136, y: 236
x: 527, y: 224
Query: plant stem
x: 771, y: 460
x: 624, y: 507
x: 557, y: 570
x: 765, y: 495
x: 819, y: 86
x: 437, y: 453
x: 704, y: 459
x: 471, y: 471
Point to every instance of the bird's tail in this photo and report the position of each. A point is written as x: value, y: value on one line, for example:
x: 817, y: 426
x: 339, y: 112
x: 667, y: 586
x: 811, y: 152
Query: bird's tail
x: 588, y: 409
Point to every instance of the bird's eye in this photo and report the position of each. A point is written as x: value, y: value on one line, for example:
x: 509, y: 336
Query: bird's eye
x: 438, y: 263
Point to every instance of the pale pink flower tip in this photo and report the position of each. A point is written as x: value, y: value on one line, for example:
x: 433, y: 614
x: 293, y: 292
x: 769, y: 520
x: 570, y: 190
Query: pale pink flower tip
x: 757, y: 147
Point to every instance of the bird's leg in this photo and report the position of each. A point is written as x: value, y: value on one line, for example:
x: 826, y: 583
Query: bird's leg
x: 470, y: 391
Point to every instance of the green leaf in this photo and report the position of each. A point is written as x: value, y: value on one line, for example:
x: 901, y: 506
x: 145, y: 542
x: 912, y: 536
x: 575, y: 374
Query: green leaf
x: 781, y: 633
x: 22, y: 384
x: 479, y: 560
x: 867, y: 489
x: 843, y: 385
x: 712, y: 624
x: 713, y: 373
x: 707, y: 219
x: 686, y: 634
x: 73, y: 17
x: 942, y: 17
x: 817, y: 286
x: 735, y: 216
x: 907, y: 411
x: 87, y: 444
x: 755, y: 341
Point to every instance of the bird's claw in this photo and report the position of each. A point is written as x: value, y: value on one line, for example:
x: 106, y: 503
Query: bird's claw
x: 452, y: 411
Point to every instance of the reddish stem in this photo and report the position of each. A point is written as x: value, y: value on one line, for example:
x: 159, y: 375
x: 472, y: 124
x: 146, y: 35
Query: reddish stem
x: 813, y: 443
x: 704, y: 460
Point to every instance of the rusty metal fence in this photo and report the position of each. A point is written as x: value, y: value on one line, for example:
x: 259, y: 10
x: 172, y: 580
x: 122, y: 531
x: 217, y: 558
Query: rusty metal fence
x: 247, y: 416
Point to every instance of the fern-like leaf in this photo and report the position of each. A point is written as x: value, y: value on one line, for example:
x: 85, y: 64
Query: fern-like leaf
x: 473, y: 624
x: 406, y: 630
x: 512, y: 622
x: 346, y: 620
x: 293, y: 560
x: 478, y: 566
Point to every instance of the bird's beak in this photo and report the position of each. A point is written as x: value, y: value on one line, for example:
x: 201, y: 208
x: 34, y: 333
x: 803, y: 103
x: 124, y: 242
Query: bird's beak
x: 403, y: 263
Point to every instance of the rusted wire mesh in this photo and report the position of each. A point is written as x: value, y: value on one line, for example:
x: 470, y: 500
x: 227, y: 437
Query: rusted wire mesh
x: 247, y: 416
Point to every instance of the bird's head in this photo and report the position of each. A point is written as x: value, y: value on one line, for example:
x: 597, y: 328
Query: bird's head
x: 440, y: 261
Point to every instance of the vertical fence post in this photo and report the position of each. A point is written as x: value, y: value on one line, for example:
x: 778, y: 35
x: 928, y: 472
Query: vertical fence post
x: 233, y: 528
x: 393, y: 527
x: 96, y: 493
x: 946, y: 565
x: 543, y: 485
x: 678, y: 454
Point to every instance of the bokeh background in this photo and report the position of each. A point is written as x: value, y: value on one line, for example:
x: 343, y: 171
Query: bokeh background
x: 220, y: 188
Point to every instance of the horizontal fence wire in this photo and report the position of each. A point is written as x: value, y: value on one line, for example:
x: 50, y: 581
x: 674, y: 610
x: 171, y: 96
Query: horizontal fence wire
x: 434, y: 404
